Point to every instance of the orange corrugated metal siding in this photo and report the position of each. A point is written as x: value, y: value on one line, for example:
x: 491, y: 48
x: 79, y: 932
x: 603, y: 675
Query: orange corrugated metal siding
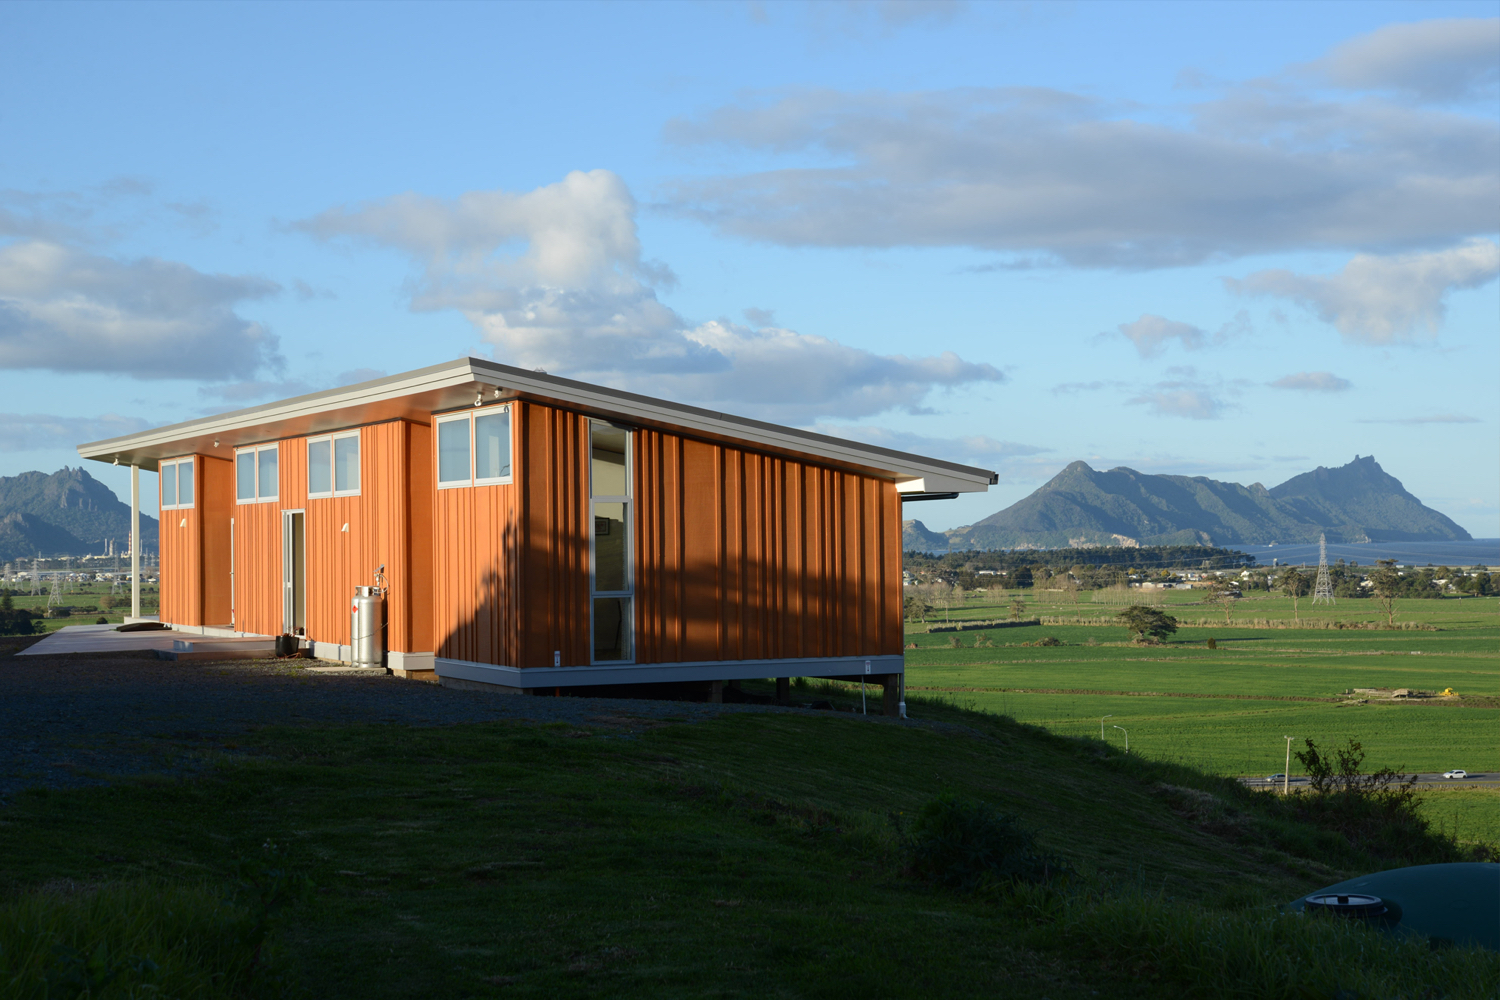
x: 216, y: 480
x: 738, y: 554
x: 181, y: 551
x: 742, y: 555
x: 510, y: 562
x: 474, y: 559
x: 420, y: 500
x: 336, y: 560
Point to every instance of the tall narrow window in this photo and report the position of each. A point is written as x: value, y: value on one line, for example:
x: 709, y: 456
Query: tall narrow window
x: 244, y: 476
x: 474, y: 447
x: 333, y: 465
x: 320, y: 467
x: 346, y: 464
x: 266, y: 475
x: 176, y: 478
x: 611, y: 579
x: 492, y: 445
x: 256, y: 474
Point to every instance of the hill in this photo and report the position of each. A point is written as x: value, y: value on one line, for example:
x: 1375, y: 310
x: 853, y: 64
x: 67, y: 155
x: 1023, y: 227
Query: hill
x: 1358, y: 502
x: 24, y: 535
x: 1366, y: 501
x: 915, y: 537
x: 66, y: 513
x: 639, y: 856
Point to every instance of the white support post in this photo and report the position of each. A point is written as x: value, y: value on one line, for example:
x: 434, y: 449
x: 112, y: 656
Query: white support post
x: 135, y: 541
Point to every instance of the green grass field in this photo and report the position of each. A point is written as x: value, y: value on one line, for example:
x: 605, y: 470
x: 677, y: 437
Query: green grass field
x: 1227, y: 710
x: 85, y: 601
x: 755, y: 855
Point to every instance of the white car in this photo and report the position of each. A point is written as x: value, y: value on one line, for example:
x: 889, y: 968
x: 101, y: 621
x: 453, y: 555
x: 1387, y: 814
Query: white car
x: 1455, y: 774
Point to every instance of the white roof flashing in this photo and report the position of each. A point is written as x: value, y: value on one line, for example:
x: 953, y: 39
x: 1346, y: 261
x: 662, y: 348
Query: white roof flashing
x: 416, y: 395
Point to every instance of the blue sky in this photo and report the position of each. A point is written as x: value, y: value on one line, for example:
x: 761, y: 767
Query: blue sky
x: 1233, y: 240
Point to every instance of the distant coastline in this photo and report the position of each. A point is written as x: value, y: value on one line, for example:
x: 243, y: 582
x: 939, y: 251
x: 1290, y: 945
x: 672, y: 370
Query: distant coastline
x: 1434, y: 553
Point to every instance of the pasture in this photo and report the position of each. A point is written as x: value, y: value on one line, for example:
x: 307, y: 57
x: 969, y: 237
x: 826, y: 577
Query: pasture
x: 1227, y: 709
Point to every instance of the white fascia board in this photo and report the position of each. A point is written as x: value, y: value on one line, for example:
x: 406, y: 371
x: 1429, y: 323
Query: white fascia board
x: 936, y: 484
x: 631, y: 407
x: 273, y: 417
x: 447, y: 386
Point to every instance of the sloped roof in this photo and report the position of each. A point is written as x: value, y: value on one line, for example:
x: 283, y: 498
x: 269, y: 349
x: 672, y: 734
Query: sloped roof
x: 416, y: 395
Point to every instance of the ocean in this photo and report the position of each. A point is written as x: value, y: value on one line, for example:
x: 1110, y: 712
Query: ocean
x: 1477, y: 551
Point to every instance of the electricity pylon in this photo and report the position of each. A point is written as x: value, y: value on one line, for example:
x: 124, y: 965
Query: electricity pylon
x: 1323, y: 589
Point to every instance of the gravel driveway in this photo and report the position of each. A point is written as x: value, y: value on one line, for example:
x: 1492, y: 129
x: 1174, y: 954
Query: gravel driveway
x: 67, y: 721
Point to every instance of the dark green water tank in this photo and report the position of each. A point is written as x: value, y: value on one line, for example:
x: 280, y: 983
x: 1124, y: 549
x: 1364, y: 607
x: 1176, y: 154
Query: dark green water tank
x: 1445, y: 903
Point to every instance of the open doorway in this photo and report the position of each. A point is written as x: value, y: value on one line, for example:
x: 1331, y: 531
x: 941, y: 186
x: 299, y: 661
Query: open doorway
x: 293, y: 573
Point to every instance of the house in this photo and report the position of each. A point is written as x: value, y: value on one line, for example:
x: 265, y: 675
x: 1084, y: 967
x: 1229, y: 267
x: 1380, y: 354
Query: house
x: 534, y: 533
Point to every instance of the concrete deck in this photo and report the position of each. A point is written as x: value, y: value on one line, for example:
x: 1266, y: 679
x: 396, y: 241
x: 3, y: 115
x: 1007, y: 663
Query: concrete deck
x: 167, y: 644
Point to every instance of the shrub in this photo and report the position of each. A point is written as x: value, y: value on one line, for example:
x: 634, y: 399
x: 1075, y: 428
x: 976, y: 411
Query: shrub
x: 969, y: 844
x: 17, y: 622
x: 1376, y: 813
x: 1212, y: 644
x: 1147, y: 623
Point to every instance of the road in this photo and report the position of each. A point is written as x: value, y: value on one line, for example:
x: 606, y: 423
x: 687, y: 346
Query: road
x: 1488, y: 779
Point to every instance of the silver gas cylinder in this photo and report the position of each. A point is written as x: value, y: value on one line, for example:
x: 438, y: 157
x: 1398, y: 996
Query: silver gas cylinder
x: 367, y: 627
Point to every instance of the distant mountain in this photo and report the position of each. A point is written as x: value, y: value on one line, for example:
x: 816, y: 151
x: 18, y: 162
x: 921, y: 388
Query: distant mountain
x: 23, y: 535
x: 1364, y: 500
x: 916, y: 538
x: 67, y: 513
x: 1357, y: 502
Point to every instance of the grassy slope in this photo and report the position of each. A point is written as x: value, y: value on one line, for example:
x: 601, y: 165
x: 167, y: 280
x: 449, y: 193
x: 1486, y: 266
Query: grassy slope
x: 748, y: 856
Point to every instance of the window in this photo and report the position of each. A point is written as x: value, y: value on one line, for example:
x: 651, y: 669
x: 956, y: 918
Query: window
x: 176, y: 484
x: 333, y: 465
x: 473, y: 449
x: 610, y: 577
x: 255, y: 474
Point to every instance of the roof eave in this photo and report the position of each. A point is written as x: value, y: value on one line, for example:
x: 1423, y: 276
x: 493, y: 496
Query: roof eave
x: 447, y: 385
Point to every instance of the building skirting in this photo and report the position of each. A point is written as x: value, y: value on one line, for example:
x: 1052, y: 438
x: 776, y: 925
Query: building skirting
x: 417, y: 666
x: 489, y: 676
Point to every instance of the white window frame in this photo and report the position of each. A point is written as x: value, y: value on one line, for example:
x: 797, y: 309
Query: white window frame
x: 275, y: 487
x: 173, y: 464
x: 333, y: 490
x: 469, y: 415
x: 627, y: 500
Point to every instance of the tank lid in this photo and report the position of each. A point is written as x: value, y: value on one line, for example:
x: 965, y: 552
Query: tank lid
x: 1347, y: 904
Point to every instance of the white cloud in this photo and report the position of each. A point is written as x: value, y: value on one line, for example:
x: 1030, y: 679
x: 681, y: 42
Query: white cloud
x: 555, y: 279
x: 1312, y: 382
x: 1440, y: 59
x: 1383, y: 300
x: 1186, y: 395
x: 235, y: 395
x: 1042, y: 175
x: 1441, y: 418
x: 40, y: 431
x: 1195, y: 404
x: 1150, y: 334
x: 1012, y: 460
x: 66, y: 310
